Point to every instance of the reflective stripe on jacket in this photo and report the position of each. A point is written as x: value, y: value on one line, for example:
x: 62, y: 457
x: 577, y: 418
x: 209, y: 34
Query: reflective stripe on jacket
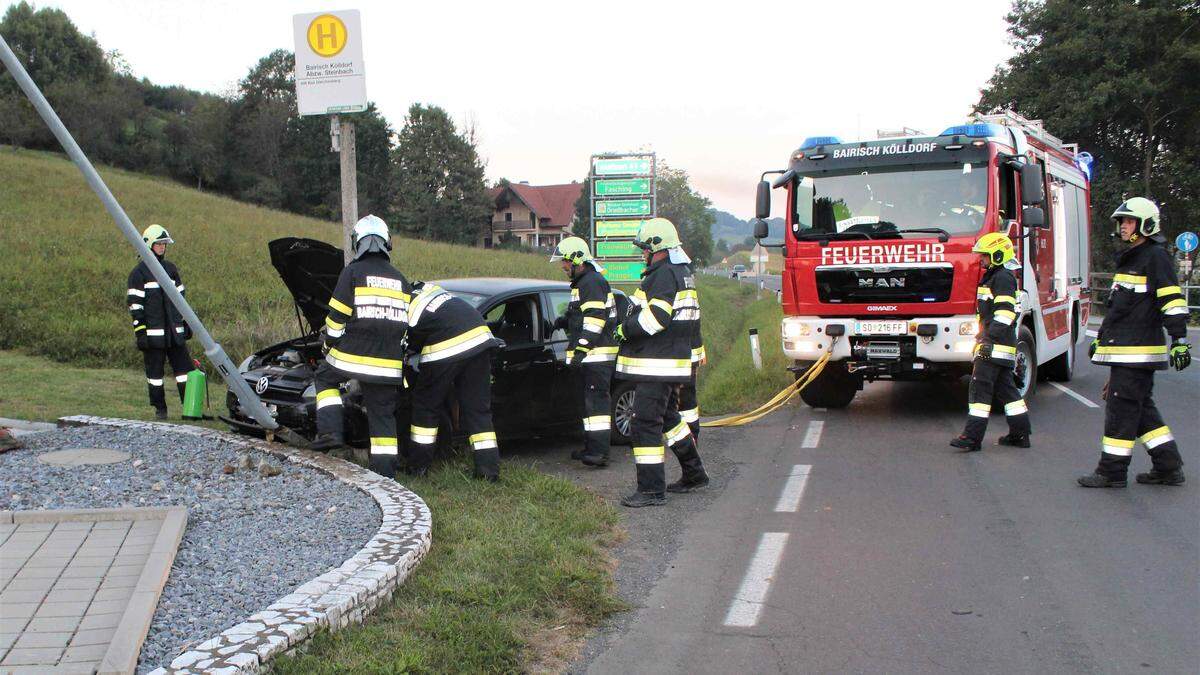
x: 1145, y: 299
x: 445, y: 328
x: 659, y: 330
x: 996, y: 302
x: 151, y: 309
x: 591, y: 317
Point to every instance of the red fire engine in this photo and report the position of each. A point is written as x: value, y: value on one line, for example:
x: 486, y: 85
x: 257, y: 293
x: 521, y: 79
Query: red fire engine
x: 879, y: 271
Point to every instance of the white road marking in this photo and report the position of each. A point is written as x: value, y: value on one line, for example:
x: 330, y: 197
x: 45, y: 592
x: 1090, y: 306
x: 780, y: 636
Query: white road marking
x: 751, y: 595
x: 812, y: 437
x: 1073, y: 395
x: 793, y: 489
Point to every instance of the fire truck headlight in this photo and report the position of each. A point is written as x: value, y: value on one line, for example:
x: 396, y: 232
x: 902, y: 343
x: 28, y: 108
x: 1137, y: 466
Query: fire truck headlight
x: 793, y: 329
x: 964, y: 346
x: 804, y: 346
x: 968, y: 328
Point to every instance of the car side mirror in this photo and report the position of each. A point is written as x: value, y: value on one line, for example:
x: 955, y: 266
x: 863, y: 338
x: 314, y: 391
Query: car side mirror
x: 1033, y: 190
x: 760, y: 228
x: 1033, y: 216
x: 762, y: 202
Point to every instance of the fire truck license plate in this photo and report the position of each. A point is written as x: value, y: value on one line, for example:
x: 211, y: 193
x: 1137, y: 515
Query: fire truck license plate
x: 883, y: 328
x: 883, y: 350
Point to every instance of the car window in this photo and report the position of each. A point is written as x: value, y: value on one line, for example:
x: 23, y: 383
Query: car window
x: 559, y: 301
x: 473, y: 299
x: 515, y: 320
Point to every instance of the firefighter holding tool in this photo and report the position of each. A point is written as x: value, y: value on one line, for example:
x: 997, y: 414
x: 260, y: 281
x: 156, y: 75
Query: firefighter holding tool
x: 1145, y: 299
x: 364, y: 336
x: 158, y: 327
x: 992, y: 378
x: 656, y: 342
x: 589, y: 321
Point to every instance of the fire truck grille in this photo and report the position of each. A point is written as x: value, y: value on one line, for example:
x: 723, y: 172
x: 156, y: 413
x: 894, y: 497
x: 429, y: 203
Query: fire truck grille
x: 853, y: 285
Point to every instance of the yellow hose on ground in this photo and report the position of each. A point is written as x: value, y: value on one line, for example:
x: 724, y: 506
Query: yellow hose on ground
x: 777, y: 401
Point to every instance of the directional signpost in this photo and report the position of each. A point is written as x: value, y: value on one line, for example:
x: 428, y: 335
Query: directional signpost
x: 623, y: 197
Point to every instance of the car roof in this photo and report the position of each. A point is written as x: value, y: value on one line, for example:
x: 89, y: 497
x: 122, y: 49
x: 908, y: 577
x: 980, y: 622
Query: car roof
x: 489, y: 286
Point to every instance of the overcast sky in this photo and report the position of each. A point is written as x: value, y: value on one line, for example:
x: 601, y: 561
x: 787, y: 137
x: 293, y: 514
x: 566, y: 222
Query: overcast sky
x: 722, y: 91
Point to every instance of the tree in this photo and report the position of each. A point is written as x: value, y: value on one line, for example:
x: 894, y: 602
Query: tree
x: 1122, y: 79
x: 441, y: 194
x: 688, y: 210
x: 582, y: 226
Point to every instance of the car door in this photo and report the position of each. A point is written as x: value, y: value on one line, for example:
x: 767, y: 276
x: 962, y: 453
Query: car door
x: 522, y: 372
x: 567, y: 407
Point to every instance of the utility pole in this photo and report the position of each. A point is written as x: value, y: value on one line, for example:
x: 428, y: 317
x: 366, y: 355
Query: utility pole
x: 341, y: 131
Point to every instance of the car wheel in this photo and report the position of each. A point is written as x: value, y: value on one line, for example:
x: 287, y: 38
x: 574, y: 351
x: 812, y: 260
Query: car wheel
x: 622, y: 413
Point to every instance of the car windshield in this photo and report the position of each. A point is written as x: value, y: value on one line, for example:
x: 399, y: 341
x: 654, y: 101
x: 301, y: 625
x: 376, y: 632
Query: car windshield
x: 473, y: 299
x: 878, y: 203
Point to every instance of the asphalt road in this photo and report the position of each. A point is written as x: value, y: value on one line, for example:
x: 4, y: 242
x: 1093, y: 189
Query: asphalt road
x: 858, y: 541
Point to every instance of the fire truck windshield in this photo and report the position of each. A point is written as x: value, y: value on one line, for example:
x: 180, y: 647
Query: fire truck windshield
x: 878, y: 202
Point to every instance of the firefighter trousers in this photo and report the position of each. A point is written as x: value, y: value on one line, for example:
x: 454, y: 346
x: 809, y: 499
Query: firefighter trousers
x: 181, y: 365
x: 993, y: 384
x: 380, y: 402
x: 469, y: 381
x: 689, y: 406
x: 656, y: 424
x: 1130, y: 416
x: 597, y: 408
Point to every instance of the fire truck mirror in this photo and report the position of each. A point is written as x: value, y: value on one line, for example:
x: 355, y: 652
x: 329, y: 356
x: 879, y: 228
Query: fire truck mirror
x: 1032, y: 189
x: 1032, y: 216
x: 760, y: 229
x: 762, y: 204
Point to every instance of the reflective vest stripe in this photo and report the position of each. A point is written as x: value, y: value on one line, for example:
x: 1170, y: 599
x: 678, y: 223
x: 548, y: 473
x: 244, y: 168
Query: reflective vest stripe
x: 1017, y: 407
x: 677, y: 433
x: 422, y: 435
x: 649, y: 455
x: 1117, y: 446
x: 980, y: 409
x: 1156, y: 437
x: 364, y: 365
x: 691, y: 415
x: 340, y: 306
x: 456, y: 345
x: 1169, y: 290
x: 654, y: 367
x: 1004, y: 316
x: 601, y: 355
x: 483, y: 441
x: 597, y: 423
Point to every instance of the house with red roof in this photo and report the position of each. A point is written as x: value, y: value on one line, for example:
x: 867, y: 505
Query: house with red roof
x: 536, y: 215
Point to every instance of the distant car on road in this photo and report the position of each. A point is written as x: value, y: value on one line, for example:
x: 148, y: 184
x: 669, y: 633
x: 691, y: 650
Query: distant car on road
x: 737, y: 271
x: 534, y: 393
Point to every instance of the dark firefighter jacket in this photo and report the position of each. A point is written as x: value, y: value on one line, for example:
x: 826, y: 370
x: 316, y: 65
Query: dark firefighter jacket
x: 152, y: 311
x: 444, y: 329
x: 591, y: 318
x: 368, y: 316
x: 1145, y: 298
x: 996, y: 300
x: 659, y: 332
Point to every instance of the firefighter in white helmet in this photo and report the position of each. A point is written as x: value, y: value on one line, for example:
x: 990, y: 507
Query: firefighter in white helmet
x: 364, y: 335
x: 1145, y: 299
x: 158, y: 326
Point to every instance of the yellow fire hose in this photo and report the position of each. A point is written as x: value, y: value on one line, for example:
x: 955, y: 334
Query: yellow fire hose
x: 776, y: 402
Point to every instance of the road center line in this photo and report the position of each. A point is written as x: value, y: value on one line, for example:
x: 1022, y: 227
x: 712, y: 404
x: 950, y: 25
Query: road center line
x: 1074, y: 395
x: 751, y: 595
x: 812, y: 437
x: 793, y: 489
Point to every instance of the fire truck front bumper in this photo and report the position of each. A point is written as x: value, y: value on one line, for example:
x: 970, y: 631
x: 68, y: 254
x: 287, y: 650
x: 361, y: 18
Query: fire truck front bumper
x: 881, y: 341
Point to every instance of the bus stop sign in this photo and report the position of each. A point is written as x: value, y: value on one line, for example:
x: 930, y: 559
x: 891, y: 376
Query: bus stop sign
x: 1187, y: 242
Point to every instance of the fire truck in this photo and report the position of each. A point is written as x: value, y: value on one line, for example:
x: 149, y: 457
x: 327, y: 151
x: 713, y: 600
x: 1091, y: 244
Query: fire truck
x: 879, y: 272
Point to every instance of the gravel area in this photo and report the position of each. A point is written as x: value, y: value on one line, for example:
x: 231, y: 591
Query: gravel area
x: 250, y: 539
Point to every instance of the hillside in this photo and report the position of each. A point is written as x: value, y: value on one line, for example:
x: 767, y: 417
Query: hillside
x: 62, y: 281
x: 734, y: 230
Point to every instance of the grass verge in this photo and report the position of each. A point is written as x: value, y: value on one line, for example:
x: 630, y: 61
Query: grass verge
x: 730, y: 383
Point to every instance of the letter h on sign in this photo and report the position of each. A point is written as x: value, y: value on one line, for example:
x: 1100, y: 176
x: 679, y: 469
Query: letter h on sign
x: 327, y: 31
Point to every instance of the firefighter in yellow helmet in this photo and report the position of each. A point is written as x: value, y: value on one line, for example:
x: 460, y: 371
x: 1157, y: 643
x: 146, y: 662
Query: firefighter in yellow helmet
x: 1145, y: 299
x: 589, y: 321
x: 656, y: 342
x: 992, y: 378
x: 158, y: 327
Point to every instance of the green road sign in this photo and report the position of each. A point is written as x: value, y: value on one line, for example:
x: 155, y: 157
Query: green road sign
x: 616, y: 249
x: 623, y: 271
x: 618, y: 228
x: 622, y: 207
x: 632, y: 186
x: 634, y: 166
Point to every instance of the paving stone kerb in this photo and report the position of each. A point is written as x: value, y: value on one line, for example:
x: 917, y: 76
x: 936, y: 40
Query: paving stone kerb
x: 333, y: 600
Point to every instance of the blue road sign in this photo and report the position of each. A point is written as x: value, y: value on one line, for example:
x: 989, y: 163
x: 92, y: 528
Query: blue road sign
x: 1187, y: 242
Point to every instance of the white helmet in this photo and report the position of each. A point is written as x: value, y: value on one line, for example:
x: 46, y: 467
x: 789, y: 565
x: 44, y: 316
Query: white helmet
x: 371, y: 235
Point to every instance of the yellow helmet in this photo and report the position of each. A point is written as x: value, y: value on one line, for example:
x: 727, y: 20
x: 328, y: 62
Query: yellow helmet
x: 657, y: 234
x: 156, y: 234
x: 572, y: 249
x: 997, y: 246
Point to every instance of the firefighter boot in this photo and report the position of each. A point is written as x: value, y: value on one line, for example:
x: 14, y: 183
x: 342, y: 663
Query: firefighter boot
x: 160, y: 413
x: 694, y: 476
x: 1098, y: 480
x: 326, y: 442
x: 686, y: 485
x: 1156, y: 477
x: 384, y: 465
x: 637, y: 500
x: 1014, y: 440
x: 966, y: 444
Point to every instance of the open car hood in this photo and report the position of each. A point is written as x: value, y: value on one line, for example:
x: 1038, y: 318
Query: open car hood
x: 310, y: 270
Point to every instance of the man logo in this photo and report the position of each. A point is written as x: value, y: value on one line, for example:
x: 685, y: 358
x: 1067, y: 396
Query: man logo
x: 262, y: 385
x: 327, y: 35
x: 882, y: 282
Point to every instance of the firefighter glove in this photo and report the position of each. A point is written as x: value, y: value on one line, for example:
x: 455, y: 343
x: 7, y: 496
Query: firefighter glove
x: 1095, y: 343
x: 984, y: 350
x: 1181, y: 354
x: 560, y: 323
x: 619, y: 334
x: 142, y: 342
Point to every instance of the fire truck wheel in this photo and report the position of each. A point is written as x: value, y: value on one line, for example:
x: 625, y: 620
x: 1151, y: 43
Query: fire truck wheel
x: 835, y: 387
x: 1027, y: 361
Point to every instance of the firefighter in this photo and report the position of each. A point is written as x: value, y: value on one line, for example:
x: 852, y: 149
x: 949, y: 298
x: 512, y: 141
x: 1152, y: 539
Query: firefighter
x: 992, y: 379
x: 590, y: 318
x: 449, y: 350
x: 1145, y: 299
x: 158, y: 327
x: 364, y: 336
x: 656, y: 342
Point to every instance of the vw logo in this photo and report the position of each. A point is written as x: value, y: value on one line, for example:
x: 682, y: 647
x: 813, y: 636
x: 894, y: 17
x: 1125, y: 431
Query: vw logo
x: 262, y: 385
